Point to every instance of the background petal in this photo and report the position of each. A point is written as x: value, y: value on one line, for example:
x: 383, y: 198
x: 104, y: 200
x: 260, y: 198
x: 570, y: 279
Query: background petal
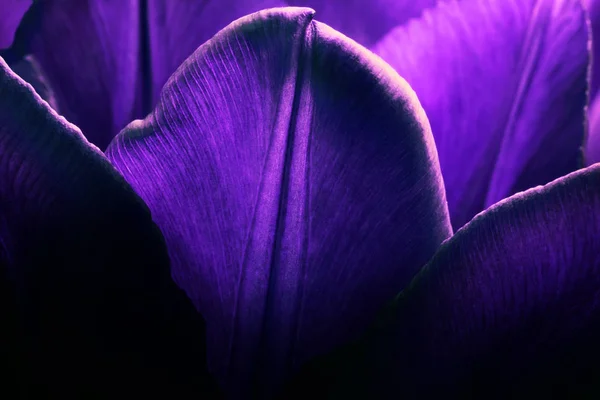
x: 108, y: 61
x: 508, y: 308
x: 592, y: 150
x: 88, y: 305
x: 89, y: 50
x: 504, y: 86
x: 177, y: 28
x: 10, y: 17
x: 365, y: 21
x: 295, y: 179
x: 593, y: 9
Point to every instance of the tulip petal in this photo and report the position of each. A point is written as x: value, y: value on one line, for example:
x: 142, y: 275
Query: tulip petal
x: 177, y: 28
x: 365, y: 21
x: 89, y: 305
x: 10, y: 18
x: 504, y: 85
x: 508, y: 308
x: 89, y: 50
x: 30, y: 71
x: 593, y: 9
x: 296, y: 182
x: 592, y: 148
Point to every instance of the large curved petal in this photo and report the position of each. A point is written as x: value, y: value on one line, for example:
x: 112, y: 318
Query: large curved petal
x: 88, y: 305
x: 10, y: 18
x: 89, y: 50
x: 296, y: 182
x: 504, y: 86
x: 508, y: 308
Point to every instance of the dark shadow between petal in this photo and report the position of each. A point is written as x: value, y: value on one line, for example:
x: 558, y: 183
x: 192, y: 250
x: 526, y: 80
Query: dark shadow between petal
x: 88, y: 302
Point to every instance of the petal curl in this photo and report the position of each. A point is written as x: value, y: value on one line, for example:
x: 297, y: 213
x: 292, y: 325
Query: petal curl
x: 296, y: 182
x: 89, y: 307
x: 504, y: 85
x: 509, y: 307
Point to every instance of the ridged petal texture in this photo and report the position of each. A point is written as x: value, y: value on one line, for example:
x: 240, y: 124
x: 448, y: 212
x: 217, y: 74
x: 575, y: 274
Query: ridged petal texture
x: 504, y: 86
x: 89, y: 308
x: 295, y: 179
x: 509, y: 307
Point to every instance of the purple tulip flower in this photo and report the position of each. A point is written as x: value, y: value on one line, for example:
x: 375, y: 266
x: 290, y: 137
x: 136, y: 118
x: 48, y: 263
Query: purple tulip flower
x: 287, y: 180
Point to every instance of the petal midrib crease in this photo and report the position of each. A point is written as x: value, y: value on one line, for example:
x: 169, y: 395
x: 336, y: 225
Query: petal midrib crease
x: 279, y: 232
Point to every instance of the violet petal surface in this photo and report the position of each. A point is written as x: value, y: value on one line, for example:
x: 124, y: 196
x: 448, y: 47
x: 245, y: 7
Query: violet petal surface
x: 507, y: 308
x: 296, y: 181
x: 504, y: 85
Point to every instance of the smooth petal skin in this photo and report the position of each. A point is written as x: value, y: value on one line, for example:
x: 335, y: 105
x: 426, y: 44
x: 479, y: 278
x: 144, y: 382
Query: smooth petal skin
x: 504, y: 85
x: 10, y: 17
x: 508, y: 308
x: 89, y: 50
x: 30, y: 71
x: 593, y: 9
x: 295, y: 179
x: 592, y: 149
x: 89, y: 308
x: 366, y: 21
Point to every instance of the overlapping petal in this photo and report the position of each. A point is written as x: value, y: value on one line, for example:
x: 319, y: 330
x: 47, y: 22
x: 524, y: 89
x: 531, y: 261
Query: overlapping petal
x: 108, y: 60
x: 508, y: 308
x: 89, y: 308
x: 365, y: 21
x: 10, y: 18
x: 295, y: 179
x: 592, y: 149
x: 593, y: 9
x: 90, y: 52
x: 504, y: 85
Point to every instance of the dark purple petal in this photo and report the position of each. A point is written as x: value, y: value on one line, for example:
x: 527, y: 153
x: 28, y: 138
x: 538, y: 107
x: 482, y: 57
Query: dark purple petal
x: 89, y: 308
x: 509, y: 307
x: 89, y: 51
x: 10, y: 17
x: 365, y: 21
x: 504, y: 86
x: 296, y: 182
